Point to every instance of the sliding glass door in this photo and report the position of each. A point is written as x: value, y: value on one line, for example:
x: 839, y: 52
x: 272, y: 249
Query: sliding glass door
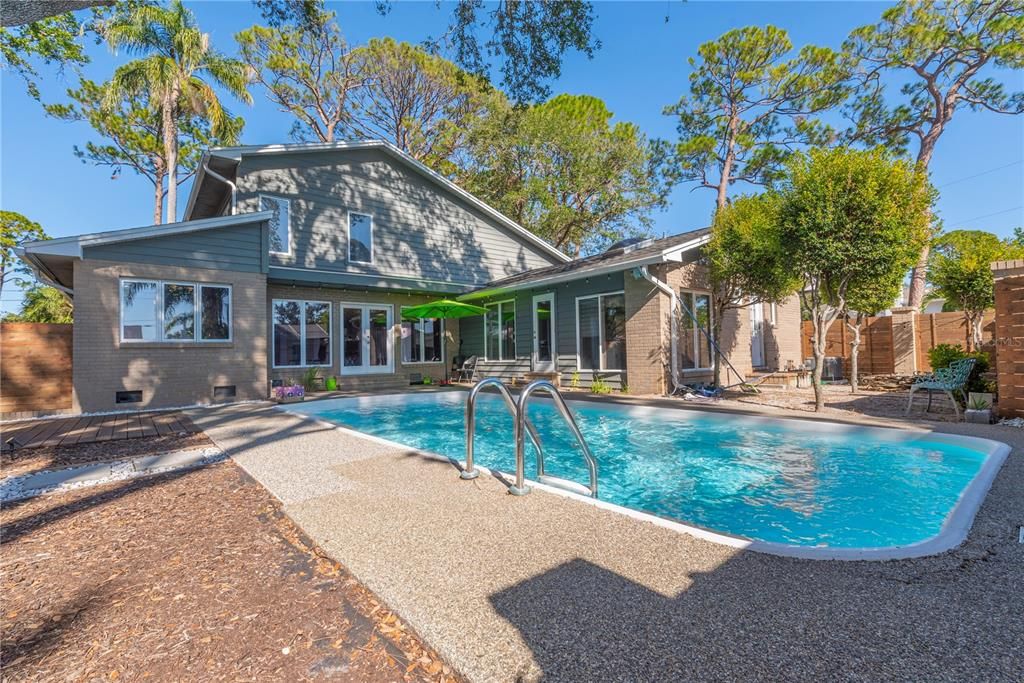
x: 366, y: 339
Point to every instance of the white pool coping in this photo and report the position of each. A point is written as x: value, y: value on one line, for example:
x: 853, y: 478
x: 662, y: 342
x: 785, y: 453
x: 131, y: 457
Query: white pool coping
x: 954, y: 529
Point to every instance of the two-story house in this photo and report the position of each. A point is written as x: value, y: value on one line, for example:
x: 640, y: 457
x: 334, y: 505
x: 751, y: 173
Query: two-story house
x: 304, y: 256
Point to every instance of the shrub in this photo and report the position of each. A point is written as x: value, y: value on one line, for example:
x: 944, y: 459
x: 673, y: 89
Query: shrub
x: 942, y: 355
x: 599, y: 386
x: 309, y: 378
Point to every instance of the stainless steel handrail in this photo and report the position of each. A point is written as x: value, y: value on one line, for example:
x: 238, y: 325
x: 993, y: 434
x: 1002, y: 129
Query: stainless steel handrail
x: 471, y: 472
x: 520, y: 487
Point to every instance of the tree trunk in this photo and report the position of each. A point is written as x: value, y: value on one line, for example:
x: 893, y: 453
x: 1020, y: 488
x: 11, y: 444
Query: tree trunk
x: 854, y: 348
x: 821, y: 321
x: 918, y: 275
x: 974, y: 321
x: 158, y: 196
x: 170, y: 131
x: 716, y: 334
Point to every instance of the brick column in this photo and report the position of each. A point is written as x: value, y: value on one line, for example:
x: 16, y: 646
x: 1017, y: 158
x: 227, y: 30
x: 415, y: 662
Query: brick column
x: 647, y: 337
x: 1009, y: 277
x: 904, y: 341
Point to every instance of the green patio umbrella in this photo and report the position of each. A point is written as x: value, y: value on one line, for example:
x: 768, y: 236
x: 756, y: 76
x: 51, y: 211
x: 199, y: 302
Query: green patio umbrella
x: 443, y: 308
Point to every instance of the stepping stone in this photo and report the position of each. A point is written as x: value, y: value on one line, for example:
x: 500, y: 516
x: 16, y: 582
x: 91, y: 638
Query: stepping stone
x: 45, y: 480
x: 180, y: 459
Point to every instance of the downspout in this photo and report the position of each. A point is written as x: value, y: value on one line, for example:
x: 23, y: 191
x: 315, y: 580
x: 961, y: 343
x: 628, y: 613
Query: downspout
x: 677, y: 304
x: 231, y: 184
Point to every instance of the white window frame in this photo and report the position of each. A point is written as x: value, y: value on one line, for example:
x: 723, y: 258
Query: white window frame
x: 712, y: 356
x: 302, y: 335
x: 288, y: 236
x: 515, y: 331
x: 197, y: 336
x: 365, y: 307
x: 349, y: 236
x: 601, y: 332
x: 422, y: 340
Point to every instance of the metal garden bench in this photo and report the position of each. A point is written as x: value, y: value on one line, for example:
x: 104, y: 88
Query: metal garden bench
x: 947, y: 380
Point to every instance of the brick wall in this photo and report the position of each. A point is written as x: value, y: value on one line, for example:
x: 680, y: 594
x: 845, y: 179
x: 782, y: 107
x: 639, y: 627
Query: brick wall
x: 35, y: 368
x: 401, y: 375
x: 1009, y: 336
x: 167, y: 374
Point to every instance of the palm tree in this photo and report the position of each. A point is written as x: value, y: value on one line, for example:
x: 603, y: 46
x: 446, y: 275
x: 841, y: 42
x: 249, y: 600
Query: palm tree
x: 177, y: 73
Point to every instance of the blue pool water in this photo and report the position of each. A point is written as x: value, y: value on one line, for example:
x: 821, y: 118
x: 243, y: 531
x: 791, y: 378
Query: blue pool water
x: 768, y: 480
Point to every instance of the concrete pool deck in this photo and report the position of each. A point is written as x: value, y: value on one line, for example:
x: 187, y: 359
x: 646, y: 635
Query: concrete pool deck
x: 544, y: 586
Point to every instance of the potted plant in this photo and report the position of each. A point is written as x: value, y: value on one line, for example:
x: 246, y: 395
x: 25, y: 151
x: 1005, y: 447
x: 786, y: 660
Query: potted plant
x: 979, y: 410
x: 332, y: 383
x: 289, y: 394
x: 983, y: 398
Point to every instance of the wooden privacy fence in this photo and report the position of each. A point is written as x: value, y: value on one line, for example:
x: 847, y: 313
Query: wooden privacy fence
x: 883, y: 344
x: 35, y: 367
x: 1009, y: 337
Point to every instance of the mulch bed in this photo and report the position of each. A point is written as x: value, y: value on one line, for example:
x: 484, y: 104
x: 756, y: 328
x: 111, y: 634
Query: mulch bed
x: 189, y: 575
x: 28, y: 460
x: 839, y: 400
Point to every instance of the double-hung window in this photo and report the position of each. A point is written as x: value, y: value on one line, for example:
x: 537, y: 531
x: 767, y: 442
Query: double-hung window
x: 360, y: 237
x: 159, y: 311
x: 302, y: 333
x: 422, y: 340
x: 280, y: 223
x: 500, y: 331
x: 694, y: 349
x: 601, y: 331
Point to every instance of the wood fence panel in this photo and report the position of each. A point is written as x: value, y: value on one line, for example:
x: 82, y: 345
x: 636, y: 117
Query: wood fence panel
x: 35, y: 367
x: 1009, y: 343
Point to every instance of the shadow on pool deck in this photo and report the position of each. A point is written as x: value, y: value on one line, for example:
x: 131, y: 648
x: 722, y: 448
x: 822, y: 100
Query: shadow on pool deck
x: 544, y: 587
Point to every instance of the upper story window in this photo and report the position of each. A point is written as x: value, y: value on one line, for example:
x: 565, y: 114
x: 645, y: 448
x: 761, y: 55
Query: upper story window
x: 302, y: 333
x: 601, y: 326
x: 157, y: 311
x: 694, y: 348
x: 500, y: 328
x: 360, y: 237
x: 280, y: 223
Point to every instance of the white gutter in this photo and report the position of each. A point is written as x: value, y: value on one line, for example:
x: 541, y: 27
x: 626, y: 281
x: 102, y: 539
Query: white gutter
x: 234, y: 188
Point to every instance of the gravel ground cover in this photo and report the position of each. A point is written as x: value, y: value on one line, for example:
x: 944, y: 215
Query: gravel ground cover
x: 190, y: 575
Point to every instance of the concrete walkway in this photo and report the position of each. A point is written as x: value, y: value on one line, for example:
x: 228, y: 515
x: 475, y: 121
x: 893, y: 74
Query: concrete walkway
x: 546, y: 587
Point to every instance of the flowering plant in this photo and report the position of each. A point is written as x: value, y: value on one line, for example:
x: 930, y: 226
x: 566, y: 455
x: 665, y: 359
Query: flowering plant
x: 294, y: 391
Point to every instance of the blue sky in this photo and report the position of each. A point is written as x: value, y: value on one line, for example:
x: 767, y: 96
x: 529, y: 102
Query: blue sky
x: 641, y: 67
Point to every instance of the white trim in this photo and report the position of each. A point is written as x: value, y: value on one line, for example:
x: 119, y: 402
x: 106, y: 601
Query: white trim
x: 302, y: 335
x: 73, y: 246
x: 692, y: 305
x: 347, y: 273
x: 197, y: 317
x: 422, y: 343
x: 366, y: 368
x: 348, y: 237
x: 515, y: 331
x: 600, y: 331
x: 236, y: 153
x: 288, y: 236
x: 535, y: 363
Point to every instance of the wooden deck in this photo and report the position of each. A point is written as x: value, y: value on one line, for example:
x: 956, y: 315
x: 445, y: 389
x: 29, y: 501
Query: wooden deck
x: 88, y: 429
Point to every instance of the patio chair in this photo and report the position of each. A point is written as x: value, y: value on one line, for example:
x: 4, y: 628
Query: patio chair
x: 466, y: 373
x: 947, y: 380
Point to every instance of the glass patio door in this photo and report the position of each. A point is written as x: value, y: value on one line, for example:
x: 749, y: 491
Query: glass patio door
x: 366, y: 339
x: 544, y: 333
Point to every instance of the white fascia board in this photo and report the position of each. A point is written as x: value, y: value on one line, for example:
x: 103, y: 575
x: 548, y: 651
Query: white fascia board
x: 73, y: 246
x: 236, y: 153
x: 197, y: 182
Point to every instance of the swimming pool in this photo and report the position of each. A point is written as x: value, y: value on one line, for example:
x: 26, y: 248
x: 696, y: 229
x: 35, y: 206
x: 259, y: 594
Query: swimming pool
x: 780, y: 484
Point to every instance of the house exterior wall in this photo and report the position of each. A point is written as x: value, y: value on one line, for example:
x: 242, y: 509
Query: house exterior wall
x: 401, y: 375
x: 420, y: 230
x: 167, y: 373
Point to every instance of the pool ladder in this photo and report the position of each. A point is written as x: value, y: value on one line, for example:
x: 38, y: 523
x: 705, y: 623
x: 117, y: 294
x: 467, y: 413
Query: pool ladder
x: 523, y: 427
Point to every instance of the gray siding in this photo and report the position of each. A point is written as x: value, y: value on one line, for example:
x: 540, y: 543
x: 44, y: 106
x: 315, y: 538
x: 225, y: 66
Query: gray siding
x: 472, y: 329
x: 238, y: 248
x: 420, y: 230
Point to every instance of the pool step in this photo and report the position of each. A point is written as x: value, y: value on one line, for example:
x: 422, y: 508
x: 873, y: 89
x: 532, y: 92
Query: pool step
x: 565, y: 484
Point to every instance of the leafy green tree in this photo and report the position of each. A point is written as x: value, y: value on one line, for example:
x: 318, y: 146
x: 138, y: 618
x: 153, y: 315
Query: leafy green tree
x: 865, y: 298
x: 420, y: 102
x: 177, y: 74
x: 15, y: 230
x: 131, y: 128
x: 53, y: 41
x: 746, y: 259
x: 564, y: 171
x: 750, y: 104
x: 849, y: 217
x: 1018, y: 236
x: 943, y: 48
x: 307, y: 70
x: 42, y: 304
x: 959, y: 270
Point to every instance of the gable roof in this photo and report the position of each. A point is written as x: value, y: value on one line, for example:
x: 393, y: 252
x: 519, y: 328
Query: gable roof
x: 237, y: 153
x: 614, y: 259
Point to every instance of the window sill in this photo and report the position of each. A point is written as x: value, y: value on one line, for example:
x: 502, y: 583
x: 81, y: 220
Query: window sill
x: 507, y: 360
x: 422, y: 362
x: 301, y: 367
x: 176, y: 345
x: 696, y: 371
